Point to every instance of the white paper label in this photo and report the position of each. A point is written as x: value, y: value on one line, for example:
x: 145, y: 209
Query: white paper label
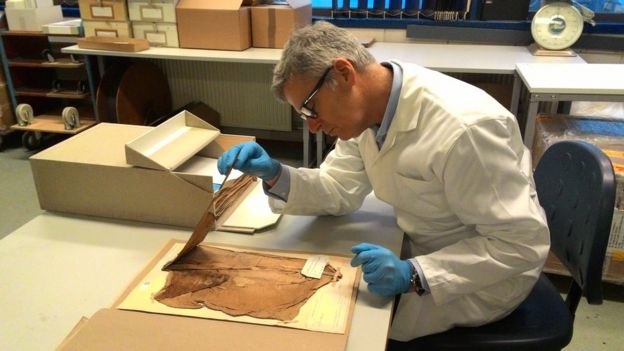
x: 151, y: 13
x: 106, y: 33
x: 156, y: 38
x: 102, y: 11
x: 314, y: 266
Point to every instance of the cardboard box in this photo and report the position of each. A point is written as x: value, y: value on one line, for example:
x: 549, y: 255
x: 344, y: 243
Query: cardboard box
x: 34, y: 18
x: 117, y: 329
x: 158, y: 34
x: 103, y: 10
x: 152, y: 10
x: 71, y: 27
x: 213, y: 24
x: 136, y: 172
x: 113, y: 44
x: 109, y: 29
x: 28, y: 4
x: 272, y: 24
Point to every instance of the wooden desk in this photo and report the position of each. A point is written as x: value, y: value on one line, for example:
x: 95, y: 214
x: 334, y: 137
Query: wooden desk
x: 56, y: 268
x: 568, y: 82
x: 448, y: 58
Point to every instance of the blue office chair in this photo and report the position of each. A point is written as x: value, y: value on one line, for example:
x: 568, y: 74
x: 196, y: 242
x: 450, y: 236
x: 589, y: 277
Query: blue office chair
x: 576, y: 187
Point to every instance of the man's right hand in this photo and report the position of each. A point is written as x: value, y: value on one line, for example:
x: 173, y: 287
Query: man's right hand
x: 252, y: 159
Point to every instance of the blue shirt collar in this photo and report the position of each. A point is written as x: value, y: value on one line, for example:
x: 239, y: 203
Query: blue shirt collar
x: 393, y: 101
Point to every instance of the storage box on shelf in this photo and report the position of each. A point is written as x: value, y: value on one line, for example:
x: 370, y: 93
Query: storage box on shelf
x: 152, y: 10
x: 50, y: 92
x: 32, y: 19
x: 107, y: 18
x: 219, y: 25
x: 608, y: 134
x: 113, y: 29
x: 155, y: 21
x: 272, y: 24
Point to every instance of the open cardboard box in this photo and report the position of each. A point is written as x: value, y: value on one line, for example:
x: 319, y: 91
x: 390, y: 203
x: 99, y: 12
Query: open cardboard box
x: 213, y: 24
x: 149, y: 174
x: 117, y: 329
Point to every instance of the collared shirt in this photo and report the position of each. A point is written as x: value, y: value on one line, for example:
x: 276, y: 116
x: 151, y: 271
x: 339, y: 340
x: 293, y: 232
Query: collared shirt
x: 281, y: 188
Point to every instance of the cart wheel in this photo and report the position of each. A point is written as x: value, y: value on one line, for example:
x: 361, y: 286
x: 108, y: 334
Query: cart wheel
x: 81, y: 86
x: 46, y: 54
x: 71, y: 118
x: 24, y: 114
x: 57, y: 85
x: 32, y: 140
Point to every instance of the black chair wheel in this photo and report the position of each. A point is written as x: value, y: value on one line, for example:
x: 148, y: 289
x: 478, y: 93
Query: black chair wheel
x: 32, y: 140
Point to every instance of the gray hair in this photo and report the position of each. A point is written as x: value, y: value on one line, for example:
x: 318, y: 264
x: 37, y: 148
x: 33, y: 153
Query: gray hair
x: 312, y: 49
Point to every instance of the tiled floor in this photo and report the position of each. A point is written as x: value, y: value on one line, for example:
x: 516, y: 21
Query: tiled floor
x: 597, y: 328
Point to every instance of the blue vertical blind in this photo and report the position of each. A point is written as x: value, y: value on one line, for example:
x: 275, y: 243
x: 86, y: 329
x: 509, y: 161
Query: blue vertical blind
x: 435, y: 5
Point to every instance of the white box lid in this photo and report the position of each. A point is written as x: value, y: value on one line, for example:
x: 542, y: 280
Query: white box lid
x: 171, y: 143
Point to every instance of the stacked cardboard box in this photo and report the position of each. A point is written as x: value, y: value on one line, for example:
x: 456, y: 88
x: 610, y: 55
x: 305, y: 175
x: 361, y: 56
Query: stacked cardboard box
x: 105, y: 18
x: 31, y: 15
x: 272, y: 24
x: 155, y: 20
x: 608, y: 134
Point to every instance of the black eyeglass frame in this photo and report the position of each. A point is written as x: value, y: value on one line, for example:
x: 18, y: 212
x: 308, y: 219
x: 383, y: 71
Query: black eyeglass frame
x: 306, y: 112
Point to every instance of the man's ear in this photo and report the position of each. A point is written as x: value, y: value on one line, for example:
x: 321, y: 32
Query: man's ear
x: 345, y: 71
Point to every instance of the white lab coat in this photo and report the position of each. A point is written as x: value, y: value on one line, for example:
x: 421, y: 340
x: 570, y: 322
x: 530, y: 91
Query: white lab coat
x: 455, y: 170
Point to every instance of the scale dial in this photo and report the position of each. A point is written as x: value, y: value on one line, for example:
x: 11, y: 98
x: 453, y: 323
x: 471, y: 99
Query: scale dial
x: 556, y: 26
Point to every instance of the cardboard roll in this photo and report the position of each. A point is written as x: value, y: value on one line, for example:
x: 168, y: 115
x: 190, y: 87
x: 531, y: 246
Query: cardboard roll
x: 135, y: 94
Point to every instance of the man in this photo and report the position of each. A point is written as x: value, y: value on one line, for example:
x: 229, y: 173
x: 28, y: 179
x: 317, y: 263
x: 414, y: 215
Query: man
x: 444, y: 154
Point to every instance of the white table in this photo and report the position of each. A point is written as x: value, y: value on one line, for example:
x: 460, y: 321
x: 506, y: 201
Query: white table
x: 568, y: 82
x: 58, y: 268
x: 448, y: 58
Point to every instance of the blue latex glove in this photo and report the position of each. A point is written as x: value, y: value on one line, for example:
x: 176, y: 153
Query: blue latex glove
x: 252, y: 159
x: 384, y: 272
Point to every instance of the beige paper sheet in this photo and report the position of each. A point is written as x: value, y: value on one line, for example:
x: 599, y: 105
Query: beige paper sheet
x: 326, y: 311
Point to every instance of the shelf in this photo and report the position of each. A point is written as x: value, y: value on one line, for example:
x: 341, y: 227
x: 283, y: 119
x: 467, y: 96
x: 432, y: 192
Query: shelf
x: 61, y: 94
x: 59, y: 63
x: 251, y: 55
x: 23, y: 33
x: 53, y: 124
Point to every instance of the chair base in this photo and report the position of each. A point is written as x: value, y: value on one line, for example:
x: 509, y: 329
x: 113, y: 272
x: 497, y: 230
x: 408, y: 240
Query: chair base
x: 541, y: 322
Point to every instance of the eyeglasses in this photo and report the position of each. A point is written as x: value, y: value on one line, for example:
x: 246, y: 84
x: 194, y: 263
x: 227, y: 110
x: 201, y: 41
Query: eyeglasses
x: 308, y: 112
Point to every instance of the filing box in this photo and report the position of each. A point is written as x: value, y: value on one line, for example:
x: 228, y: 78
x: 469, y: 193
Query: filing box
x: 152, y: 10
x: 103, y: 10
x: 272, y: 24
x: 148, y: 174
x: 158, y: 34
x: 107, y: 29
x: 32, y: 19
x: 213, y: 24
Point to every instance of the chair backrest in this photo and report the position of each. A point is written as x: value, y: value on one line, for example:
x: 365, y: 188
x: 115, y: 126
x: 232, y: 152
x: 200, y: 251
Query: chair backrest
x: 576, y: 187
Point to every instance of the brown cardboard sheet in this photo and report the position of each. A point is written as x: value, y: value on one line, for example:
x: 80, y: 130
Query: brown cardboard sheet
x: 117, y: 329
x: 328, y: 310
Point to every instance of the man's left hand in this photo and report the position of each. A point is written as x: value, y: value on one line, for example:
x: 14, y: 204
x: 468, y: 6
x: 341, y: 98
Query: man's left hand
x: 384, y: 272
